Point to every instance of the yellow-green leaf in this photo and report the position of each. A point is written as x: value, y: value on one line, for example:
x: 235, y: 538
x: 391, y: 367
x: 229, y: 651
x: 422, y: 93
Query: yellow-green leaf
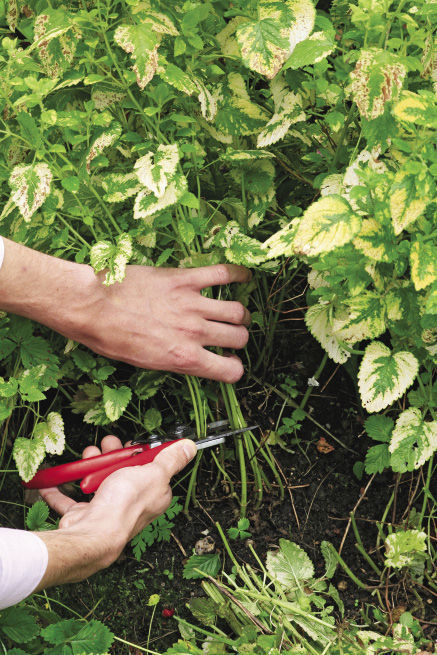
x: 423, y: 259
x: 406, y: 204
x: 319, y: 320
x: 384, y: 376
x: 327, y: 224
x: 413, y: 441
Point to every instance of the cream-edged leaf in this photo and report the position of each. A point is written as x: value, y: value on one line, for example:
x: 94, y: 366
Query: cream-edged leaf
x: 288, y: 110
x: 406, y: 203
x: 281, y: 244
x: 239, y: 247
x: 146, y: 203
x: 142, y: 44
x: 304, y: 16
x: 236, y: 115
x: 310, y: 51
x: 30, y: 185
x: 402, y: 547
x: 423, y: 260
x: 156, y: 170
x: 119, y: 186
x: 176, y: 77
x: 104, y: 140
x: 320, y: 323
x: 51, y: 433
x: 28, y: 455
x: 384, y: 376
x: 327, y: 224
x: 263, y: 42
x: 115, y: 401
x: 113, y: 258
x: 208, y: 103
x: 413, y: 441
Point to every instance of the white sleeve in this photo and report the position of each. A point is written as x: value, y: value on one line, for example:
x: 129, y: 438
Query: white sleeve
x: 23, y: 562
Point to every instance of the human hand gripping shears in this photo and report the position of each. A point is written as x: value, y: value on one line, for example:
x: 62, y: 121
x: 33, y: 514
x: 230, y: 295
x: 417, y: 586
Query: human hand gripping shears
x: 93, y: 470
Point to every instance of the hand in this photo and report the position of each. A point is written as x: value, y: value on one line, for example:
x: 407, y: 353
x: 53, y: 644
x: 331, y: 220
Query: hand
x: 127, y: 500
x: 158, y: 319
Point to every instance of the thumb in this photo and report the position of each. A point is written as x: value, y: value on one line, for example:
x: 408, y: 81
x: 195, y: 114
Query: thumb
x: 174, y: 458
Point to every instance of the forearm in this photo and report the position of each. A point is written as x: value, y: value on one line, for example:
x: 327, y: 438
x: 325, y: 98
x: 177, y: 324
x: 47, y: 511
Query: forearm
x: 46, y: 289
x: 75, y: 554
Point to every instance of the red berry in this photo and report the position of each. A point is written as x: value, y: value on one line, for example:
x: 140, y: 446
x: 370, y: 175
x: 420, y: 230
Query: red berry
x: 168, y: 613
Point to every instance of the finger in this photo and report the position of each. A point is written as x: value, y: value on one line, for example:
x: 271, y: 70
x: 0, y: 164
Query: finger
x: 174, y: 458
x: 91, y: 451
x: 57, y: 500
x: 225, y: 336
x: 225, y: 368
x: 209, y: 276
x: 110, y: 443
x: 226, y: 311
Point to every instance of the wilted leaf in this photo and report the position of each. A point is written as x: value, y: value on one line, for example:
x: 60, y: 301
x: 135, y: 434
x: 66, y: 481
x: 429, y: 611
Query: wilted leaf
x: 51, y: 433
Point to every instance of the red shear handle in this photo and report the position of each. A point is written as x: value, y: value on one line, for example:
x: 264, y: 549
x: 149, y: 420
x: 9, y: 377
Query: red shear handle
x: 56, y: 475
x: 92, y: 481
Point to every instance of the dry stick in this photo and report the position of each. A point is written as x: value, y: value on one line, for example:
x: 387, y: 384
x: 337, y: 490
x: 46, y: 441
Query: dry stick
x: 358, y: 503
x: 329, y: 379
x: 181, y: 548
x: 314, y: 496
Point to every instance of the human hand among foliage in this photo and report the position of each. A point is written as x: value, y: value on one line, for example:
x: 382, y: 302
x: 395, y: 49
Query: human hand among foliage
x: 156, y: 318
x: 92, y: 535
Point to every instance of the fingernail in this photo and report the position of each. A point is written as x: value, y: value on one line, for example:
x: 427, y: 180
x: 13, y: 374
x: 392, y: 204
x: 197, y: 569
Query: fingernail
x: 189, y: 449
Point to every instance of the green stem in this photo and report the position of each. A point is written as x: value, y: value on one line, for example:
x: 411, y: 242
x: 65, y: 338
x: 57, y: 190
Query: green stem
x: 359, y: 546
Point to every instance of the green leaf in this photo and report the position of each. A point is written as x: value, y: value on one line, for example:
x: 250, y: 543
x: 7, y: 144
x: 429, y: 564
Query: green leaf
x: 413, y: 441
x: 83, y: 360
x: 207, y: 564
x: 204, y: 610
x: 327, y: 224
x: 402, y: 546
x: 142, y: 44
x: 71, y: 183
x: 330, y: 561
x: 377, y: 459
x: 37, y: 516
x: 34, y: 351
x: 29, y: 129
x: 384, y: 376
x: 30, y: 185
x: 379, y: 428
x: 104, y: 255
x: 290, y: 565
x: 17, y: 624
x: 116, y: 401
x: 9, y: 388
x: 310, y: 51
x: 28, y: 455
x: 93, y: 638
x: 152, y: 419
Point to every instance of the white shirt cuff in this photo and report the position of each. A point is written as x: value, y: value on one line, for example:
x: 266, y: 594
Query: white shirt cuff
x: 23, y: 562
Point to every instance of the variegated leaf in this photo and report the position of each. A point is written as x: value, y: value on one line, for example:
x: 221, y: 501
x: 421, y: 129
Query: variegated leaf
x: 423, y: 259
x: 366, y: 317
x: 208, y: 104
x: 384, y: 376
x: 402, y: 547
x: 176, y: 77
x: 257, y: 205
x: 406, y: 203
x: 115, y: 401
x: 146, y: 203
x: 30, y: 185
x: 416, y: 109
x: 332, y: 185
x: 376, y: 240
x: 233, y: 155
x: 156, y: 20
x: 310, y: 51
x: 327, y: 224
x: 105, y: 255
x: 377, y: 78
x: 304, y: 16
x: 28, y: 455
x: 413, y: 441
x: 319, y: 321
x: 142, y: 44
x: 227, y: 39
x: 156, y: 170
x: 104, y: 98
x: 239, y: 247
x: 119, y: 186
x: 106, y: 139
x: 55, y: 47
x: 288, y: 110
x: 281, y: 244
x: 237, y: 115
x: 51, y: 433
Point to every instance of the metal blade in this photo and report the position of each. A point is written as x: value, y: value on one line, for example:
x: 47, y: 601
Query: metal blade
x: 215, y: 440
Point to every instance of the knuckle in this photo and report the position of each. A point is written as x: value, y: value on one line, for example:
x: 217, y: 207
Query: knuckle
x: 184, y: 356
x: 222, y: 273
x: 239, y: 312
x: 193, y: 329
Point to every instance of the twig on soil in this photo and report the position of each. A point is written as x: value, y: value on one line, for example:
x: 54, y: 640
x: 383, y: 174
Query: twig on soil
x: 181, y: 548
x: 357, y: 504
x: 314, y: 496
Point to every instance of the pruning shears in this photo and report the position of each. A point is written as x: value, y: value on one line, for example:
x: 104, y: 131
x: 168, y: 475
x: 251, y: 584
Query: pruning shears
x: 93, y: 470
